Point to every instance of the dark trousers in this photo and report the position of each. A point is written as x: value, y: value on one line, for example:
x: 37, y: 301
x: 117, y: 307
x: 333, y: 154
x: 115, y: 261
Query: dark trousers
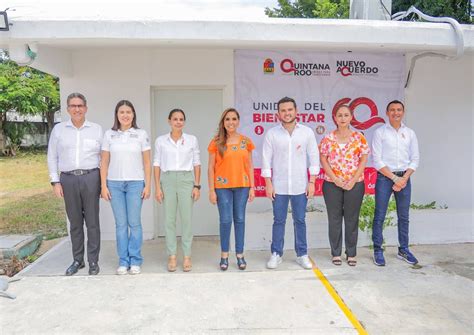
x: 343, y: 204
x: 81, y: 196
x: 383, y: 192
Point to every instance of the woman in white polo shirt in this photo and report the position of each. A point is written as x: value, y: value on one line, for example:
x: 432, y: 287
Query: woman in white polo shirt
x: 126, y: 180
x: 176, y: 157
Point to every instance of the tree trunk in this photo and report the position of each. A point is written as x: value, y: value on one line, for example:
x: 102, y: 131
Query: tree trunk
x: 3, y: 138
x: 50, y: 123
x: 2, y: 142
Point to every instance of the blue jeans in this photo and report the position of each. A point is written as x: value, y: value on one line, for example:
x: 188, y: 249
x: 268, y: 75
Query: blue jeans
x: 127, y: 206
x: 231, y: 203
x: 383, y: 191
x: 298, y: 211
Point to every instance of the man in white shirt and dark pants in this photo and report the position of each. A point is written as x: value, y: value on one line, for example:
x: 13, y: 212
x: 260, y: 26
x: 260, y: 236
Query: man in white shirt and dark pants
x: 289, y: 149
x: 396, y: 157
x: 73, y: 163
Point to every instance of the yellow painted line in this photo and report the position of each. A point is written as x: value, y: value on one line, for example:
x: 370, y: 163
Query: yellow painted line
x: 342, y: 305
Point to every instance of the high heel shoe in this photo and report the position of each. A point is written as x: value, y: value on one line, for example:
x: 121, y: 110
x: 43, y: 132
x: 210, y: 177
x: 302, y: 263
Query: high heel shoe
x: 351, y: 262
x: 336, y: 261
x: 241, y: 263
x: 224, y: 264
x: 187, y: 265
x: 172, y: 263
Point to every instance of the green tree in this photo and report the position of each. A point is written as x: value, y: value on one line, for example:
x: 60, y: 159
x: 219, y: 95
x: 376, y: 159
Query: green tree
x: 457, y: 9
x: 26, y: 91
x: 337, y: 9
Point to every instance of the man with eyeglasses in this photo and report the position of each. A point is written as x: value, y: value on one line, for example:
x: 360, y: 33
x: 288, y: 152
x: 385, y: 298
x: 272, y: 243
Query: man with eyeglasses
x: 73, y: 163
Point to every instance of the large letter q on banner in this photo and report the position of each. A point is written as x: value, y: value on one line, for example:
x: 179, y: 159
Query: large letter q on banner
x: 374, y: 113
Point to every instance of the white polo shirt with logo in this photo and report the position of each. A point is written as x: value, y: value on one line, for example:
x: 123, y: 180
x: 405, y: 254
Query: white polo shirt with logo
x: 126, y: 158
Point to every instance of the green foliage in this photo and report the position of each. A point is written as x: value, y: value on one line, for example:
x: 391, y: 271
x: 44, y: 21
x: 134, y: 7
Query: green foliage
x: 457, y: 9
x: 367, y: 210
x: 330, y: 9
x: 339, y: 9
x: 26, y: 91
x: 336, y: 9
x: 32, y: 258
x: 431, y: 205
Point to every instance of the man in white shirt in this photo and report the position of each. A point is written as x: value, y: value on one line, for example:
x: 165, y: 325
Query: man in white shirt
x: 289, y: 149
x: 73, y: 163
x: 396, y: 157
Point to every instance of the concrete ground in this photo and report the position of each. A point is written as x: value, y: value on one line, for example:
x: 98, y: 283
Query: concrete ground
x: 435, y: 298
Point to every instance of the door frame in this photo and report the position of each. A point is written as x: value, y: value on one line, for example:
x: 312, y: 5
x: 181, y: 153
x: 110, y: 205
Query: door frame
x: 153, y: 131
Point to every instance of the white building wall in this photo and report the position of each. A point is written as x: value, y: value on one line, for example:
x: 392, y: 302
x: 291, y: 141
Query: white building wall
x: 106, y: 76
x: 439, y: 107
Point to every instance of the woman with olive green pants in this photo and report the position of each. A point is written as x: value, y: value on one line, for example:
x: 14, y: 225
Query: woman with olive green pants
x: 176, y: 157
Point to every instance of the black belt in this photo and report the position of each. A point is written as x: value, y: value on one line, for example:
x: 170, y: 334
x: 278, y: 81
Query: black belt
x: 396, y: 173
x: 79, y: 172
x: 399, y: 173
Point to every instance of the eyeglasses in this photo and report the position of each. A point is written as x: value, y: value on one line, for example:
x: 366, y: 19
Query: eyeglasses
x: 76, y: 106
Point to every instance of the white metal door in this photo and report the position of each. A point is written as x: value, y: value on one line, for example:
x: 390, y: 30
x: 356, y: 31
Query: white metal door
x: 203, y: 108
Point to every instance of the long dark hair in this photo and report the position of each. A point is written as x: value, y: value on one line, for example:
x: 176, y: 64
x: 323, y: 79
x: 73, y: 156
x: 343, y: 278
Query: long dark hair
x: 116, y: 120
x: 221, y: 137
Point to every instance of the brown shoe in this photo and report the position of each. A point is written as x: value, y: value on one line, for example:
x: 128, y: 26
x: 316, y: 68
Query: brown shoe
x: 187, y: 264
x: 172, y: 263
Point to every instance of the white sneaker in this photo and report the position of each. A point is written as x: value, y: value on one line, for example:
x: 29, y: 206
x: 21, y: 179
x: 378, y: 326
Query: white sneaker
x: 134, y: 270
x: 122, y: 270
x: 274, y: 261
x: 304, y: 262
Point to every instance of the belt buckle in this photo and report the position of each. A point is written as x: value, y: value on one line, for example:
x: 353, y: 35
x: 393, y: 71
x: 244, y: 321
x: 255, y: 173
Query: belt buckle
x: 77, y: 172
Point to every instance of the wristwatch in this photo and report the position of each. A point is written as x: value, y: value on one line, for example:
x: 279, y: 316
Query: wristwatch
x: 197, y: 186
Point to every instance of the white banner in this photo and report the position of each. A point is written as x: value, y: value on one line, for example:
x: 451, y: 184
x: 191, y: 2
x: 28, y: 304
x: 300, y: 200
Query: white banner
x: 319, y: 82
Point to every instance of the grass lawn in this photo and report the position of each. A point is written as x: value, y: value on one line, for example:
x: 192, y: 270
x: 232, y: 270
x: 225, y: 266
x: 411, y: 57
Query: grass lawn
x: 27, y: 203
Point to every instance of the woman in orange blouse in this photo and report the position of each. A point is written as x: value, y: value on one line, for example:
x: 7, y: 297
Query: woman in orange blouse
x: 343, y: 155
x: 231, y: 183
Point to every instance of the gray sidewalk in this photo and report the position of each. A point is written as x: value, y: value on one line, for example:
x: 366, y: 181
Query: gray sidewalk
x: 397, y: 299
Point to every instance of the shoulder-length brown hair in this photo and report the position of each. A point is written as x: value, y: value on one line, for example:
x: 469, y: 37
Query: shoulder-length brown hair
x: 221, y: 137
x: 116, y: 120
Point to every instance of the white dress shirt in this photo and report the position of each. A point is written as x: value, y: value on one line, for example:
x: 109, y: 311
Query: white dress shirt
x: 126, y: 158
x: 397, y: 150
x: 72, y: 148
x: 289, y: 157
x: 182, y: 155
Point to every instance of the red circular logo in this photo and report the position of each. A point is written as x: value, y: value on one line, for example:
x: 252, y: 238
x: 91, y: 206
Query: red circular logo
x: 374, y: 112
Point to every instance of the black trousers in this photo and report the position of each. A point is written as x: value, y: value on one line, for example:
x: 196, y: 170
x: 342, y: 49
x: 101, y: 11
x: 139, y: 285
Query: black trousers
x: 343, y: 204
x: 81, y: 196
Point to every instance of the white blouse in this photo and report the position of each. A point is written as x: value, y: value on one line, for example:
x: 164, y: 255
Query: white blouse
x: 182, y: 155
